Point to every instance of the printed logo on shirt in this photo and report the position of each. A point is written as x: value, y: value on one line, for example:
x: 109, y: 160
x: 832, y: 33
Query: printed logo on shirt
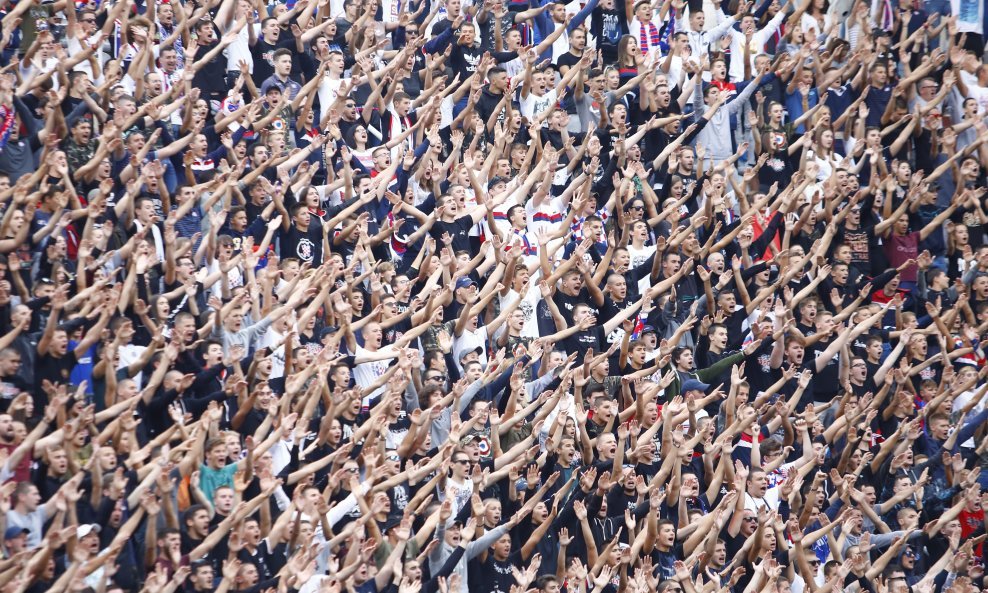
x: 305, y: 249
x: 610, y: 28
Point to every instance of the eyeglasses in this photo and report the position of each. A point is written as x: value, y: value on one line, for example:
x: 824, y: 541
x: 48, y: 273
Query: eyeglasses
x: 750, y: 519
x: 462, y: 461
x: 639, y: 207
x: 351, y: 470
x: 88, y: 21
x: 814, y: 563
x: 909, y: 552
x: 436, y: 378
x: 393, y: 458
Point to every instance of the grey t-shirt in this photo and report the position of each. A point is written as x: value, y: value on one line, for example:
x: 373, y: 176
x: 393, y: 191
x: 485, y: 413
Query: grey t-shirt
x: 587, y: 112
x: 34, y: 522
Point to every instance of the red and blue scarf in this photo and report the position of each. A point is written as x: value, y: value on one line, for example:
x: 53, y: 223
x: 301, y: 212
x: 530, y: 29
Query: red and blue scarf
x: 6, y: 124
x: 648, y: 40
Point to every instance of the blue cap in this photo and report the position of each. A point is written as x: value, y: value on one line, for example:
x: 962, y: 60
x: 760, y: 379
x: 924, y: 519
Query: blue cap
x: 693, y: 385
x: 12, y: 532
x: 465, y: 282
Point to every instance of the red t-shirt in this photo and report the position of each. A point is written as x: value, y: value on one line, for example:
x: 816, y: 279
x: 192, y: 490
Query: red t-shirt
x: 971, y: 521
x: 22, y: 473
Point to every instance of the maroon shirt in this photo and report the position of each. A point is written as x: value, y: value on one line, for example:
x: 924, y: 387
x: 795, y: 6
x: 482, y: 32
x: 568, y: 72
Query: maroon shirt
x: 899, y: 249
x: 22, y: 473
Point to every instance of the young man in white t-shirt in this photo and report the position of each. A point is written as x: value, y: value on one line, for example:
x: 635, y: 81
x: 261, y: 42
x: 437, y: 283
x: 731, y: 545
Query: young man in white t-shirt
x: 972, y: 82
x: 527, y: 292
x: 536, y: 94
x: 329, y: 86
x: 468, y: 334
x: 457, y: 485
x: 239, y: 51
x: 371, y: 361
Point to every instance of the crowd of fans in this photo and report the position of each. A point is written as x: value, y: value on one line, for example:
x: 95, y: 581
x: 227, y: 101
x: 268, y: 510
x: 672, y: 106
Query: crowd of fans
x: 498, y: 296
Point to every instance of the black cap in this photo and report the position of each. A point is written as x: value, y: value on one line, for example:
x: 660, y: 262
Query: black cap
x: 72, y: 325
x: 391, y: 522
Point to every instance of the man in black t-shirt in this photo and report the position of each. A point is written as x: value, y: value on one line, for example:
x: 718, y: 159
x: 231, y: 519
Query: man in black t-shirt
x: 196, y: 528
x: 491, y: 572
x: 828, y: 377
x: 595, y: 338
x: 300, y: 237
x: 55, y: 360
x: 452, y: 219
x: 608, y: 23
x: 11, y: 385
x: 793, y: 350
x: 464, y: 294
x: 577, y: 43
x: 858, y: 237
x: 210, y: 77
x: 262, y: 50
x: 573, y: 291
